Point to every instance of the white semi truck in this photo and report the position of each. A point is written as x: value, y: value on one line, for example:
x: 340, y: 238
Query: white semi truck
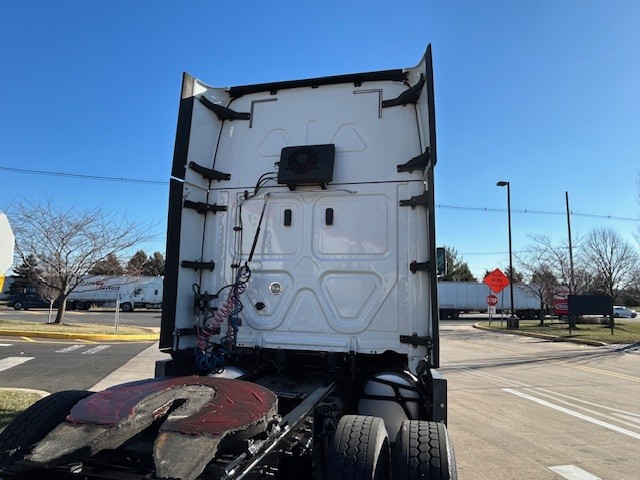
x: 459, y: 297
x: 300, y: 300
x: 130, y: 291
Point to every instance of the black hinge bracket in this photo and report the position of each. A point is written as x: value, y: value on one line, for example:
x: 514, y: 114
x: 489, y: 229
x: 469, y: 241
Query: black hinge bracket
x: 224, y: 113
x: 181, y: 332
x: 416, y: 340
x: 416, y: 163
x: 410, y: 95
x: 419, y: 266
x: 202, y: 207
x: 198, y: 265
x: 209, y: 173
x: 413, y: 202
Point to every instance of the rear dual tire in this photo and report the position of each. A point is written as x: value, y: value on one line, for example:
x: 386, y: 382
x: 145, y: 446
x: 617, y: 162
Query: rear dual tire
x: 423, y: 450
x: 359, y: 450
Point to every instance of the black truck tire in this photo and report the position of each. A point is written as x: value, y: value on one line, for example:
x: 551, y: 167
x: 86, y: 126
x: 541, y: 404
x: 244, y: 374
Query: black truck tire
x: 17, y: 305
x: 126, y: 307
x: 423, y: 451
x: 359, y: 450
x: 34, y: 423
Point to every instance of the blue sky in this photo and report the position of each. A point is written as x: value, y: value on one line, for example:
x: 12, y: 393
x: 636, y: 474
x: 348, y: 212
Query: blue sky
x: 544, y: 94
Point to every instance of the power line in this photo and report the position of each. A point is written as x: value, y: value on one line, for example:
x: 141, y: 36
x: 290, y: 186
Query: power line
x: 82, y: 176
x: 492, y: 253
x: 447, y: 207
x: 536, y: 212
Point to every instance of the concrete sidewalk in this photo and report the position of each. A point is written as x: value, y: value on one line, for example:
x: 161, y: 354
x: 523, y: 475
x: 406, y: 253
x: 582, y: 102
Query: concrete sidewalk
x: 140, y: 367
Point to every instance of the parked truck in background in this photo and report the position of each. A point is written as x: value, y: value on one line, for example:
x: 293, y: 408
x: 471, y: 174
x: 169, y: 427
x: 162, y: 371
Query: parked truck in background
x: 463, y: 297
x: 100, y: 291
x: 300, y: 302
x: 104, y: 291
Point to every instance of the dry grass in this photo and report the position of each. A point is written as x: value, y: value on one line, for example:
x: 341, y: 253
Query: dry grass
x: 12, y: 402
x: 628, y: 332
x: 84, y: 328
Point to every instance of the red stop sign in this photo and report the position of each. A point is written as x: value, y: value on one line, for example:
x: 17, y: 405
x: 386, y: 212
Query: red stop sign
x: 492, y: 300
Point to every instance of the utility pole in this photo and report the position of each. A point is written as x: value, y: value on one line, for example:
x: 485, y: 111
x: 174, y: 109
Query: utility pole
x: 571, y: 274
x: 508, y: 185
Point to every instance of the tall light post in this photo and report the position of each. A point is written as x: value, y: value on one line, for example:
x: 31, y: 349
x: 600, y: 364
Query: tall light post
x: 502, y: 183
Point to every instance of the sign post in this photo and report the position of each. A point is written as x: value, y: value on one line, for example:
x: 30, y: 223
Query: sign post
x: 492, y: 301
x: 498, y: 281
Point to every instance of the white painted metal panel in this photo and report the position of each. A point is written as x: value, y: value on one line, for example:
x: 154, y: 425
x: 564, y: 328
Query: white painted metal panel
x: 7, y: 241
x: 344, y: 286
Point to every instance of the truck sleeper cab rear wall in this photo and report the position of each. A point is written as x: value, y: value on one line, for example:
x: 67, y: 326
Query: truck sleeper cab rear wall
x: 299, y: 252
x: 341, y: 262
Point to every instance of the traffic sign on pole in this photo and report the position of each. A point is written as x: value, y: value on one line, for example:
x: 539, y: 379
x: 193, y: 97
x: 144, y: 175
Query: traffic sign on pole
x: 492, y: 300
x: 496, y: 280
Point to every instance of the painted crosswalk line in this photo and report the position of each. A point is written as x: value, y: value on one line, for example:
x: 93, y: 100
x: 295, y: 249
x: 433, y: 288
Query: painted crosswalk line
x: 94, y: 350
x: 70, y: 348
x: 10, y: 362
x: 571, y: 472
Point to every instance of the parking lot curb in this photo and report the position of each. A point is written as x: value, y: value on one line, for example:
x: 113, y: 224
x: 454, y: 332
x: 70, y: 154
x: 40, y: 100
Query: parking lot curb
x: 150, y: 337
x: 551, y: 338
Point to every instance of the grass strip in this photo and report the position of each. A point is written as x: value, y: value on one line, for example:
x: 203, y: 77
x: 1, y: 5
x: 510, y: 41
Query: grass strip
x: 74, y: 328
x: 14, y: 401
x: 622, y: 332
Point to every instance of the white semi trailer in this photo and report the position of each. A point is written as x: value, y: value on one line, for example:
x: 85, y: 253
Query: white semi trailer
x: 461, y: 297
x: 130, y: 291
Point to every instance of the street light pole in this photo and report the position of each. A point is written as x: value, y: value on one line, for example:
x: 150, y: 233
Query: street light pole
x: 508, y: 185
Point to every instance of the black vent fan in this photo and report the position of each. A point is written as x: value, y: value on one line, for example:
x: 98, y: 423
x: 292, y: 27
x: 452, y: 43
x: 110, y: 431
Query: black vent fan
x: 306, y: 165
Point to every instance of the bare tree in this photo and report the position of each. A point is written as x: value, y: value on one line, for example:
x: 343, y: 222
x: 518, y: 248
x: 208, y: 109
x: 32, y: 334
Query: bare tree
x: 539, y: 279
x: 68, y: 242
x: 49, y: 293
x: 615, y: 261
x: 557, y: 258
x: 637, y: 233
